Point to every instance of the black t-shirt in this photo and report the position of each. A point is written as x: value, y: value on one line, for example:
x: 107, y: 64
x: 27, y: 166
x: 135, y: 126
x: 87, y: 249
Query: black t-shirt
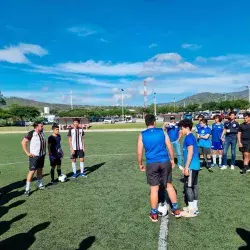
x: 245, y: 131
x: 54, y: 144
x: 232, y: 128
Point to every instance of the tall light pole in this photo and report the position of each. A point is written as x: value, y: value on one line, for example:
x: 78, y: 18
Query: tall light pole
x: 122, y: 90
x: 71, y: 99
x: 174, y: 105
x: 248, y: 93
x: 155, y: 104
x: 225, y: 97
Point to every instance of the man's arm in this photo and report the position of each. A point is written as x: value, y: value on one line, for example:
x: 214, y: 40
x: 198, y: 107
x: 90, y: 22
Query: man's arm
x: 190, y: 149
x: 170, y: 149
x: 204, y: 136
x: 239, y: 139
x: 140, y: 153
x: 24, y: 146
x: 180, y: 135
x: 223, y: 134
x: 49, y: 146
x: 83, y: 144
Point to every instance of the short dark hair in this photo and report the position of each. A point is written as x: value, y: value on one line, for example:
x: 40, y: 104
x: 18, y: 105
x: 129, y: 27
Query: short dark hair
x: 35, y: 124
x: 200, y: 116
x: 150, y: 120
x: 186, y: 123
x: 231, y: 113
x: 172, y: 117
x: 76, y: 120
x: 218, y: 117
x: 54, y: 126
x: 246, y: 114
x: 204, y: 121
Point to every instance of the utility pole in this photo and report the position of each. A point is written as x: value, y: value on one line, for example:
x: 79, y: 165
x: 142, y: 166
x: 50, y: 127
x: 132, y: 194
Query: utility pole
x: 122, y: 90
x: 248, y: 93
x: 174, y: 104
x: 155, y: 104
x: 184, y: 104
x: 71, y: 99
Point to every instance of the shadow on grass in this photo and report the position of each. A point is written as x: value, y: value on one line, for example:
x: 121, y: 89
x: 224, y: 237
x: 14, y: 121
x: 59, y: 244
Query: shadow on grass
x: 5, y: 225
x: 88, y: 170
x: 86, y: 243
x: 5, y: 210
x: 23, y: 241
x: 245, y: 235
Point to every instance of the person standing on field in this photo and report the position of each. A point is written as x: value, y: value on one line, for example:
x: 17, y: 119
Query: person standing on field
x: 159, y: 163
x: 36, y: 154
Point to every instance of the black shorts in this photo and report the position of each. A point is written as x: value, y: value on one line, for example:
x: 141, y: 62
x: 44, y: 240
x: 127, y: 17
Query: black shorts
x: 204, y: 151
x: 159, y: 173
x: 192, y: 179
x: 36, y: 162
x: 78, y: 154
x: 246, y: 147
x: 55, y: 162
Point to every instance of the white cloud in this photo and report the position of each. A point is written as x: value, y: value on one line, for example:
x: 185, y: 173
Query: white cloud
x: 17, y: 54
x: 190, y: 46
x: 149, y: 79
x: 174, y: 57
x: 104, y: 40
x: 153, y: 45
x: 85, y: 30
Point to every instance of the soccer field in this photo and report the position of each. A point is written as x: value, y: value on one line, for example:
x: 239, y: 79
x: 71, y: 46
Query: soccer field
x: 109, y: 209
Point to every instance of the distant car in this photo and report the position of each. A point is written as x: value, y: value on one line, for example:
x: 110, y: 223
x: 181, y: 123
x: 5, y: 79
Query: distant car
x: 214, y: 113
x: 28, y: 123
x: 109, y: 121
x: 130, y: 120
x: 188, y: 116
x: 240, y: 116
x: 116, y: 119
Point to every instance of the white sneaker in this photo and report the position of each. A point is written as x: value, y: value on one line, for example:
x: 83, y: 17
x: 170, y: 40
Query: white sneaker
x: 232, y: 167
x: 188, y: 213
x: 223, y: 167
x: 180, y: 167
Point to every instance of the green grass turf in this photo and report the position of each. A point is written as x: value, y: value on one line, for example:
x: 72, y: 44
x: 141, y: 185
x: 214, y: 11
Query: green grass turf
x: 108, y: 210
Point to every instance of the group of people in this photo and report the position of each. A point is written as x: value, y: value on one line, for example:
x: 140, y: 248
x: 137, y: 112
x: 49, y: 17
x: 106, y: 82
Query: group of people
x: 37, y: 152
x: 199, y: 148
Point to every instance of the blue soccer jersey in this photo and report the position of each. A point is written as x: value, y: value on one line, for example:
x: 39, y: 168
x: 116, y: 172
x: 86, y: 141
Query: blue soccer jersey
x: 190, y: 140
x: 197, y: 128
x: 217, y: 130
x: 155, y: 146
x: 205, y: 143
x: 173, y: 132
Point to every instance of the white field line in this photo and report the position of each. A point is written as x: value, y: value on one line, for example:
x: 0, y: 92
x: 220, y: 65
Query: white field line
x: 89, y: 156
x: 163, y: 236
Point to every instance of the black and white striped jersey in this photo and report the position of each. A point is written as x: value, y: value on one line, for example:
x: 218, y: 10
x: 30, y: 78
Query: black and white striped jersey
x: 76, y: 134
x: 37, y: 143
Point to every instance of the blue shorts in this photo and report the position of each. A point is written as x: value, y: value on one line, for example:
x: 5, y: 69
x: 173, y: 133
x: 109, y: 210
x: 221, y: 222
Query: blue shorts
x: 217, y: 145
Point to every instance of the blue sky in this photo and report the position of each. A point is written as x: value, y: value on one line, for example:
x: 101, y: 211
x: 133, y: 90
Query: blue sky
x: 95, y: 48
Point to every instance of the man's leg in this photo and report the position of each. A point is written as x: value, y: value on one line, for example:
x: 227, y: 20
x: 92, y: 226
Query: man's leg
x: 246, y: 162
x: 82, y: 166
x: 74, y: 167
x: 178, y: 153
x: 224, y: 161
x: 52, y: 174
x: 220, y: 157
x: 39, y: 174
x: 59, y: 170
x: 208, y: 158
x: 214, y: 157
x: 29, y: 180
x: 233, y: 151
x: 154, y: 198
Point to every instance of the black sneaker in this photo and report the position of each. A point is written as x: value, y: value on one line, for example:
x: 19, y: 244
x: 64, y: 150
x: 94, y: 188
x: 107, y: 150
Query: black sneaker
x: 244, y: 171
x: 27, y: 193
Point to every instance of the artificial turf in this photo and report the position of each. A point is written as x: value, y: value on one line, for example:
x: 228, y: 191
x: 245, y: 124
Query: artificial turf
x: 109, y: 209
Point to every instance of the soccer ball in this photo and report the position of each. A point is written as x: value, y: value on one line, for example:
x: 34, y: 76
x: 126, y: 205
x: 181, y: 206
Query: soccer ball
x: 163, y: 209
x: 62, y: 178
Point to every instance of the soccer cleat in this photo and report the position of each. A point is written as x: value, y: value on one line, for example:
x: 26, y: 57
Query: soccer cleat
x: 189, y: 213
x: 244, y: 171
x: 210, y: 169
x: 74, y: 176
x: 83, y: 175
x: 223, y: 167
x: 232, y: 167
x: 53, y: 183
x: 248, y: 170
x: 153, y: 217
x: 42, y: 187
x: 176, y: 213
x: 27, y: 193
x: 180, y: 167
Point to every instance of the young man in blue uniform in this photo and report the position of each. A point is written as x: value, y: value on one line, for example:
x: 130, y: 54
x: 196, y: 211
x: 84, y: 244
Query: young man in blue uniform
x: 229, y: 136
x: 198, y: 125
x: 55, y: 152
x: 174, y: 134
x: 217, y: 144
x: 191, y: 168
x: 204, y: 143
x: 159, y: 163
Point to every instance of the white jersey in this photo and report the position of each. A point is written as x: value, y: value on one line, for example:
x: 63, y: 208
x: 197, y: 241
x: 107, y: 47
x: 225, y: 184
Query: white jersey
x: 77, y: 138
x: 37, y: 143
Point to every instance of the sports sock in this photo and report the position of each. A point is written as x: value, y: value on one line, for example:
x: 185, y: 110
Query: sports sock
x: 154, y: 210
x: 39, y: 183
x: 214, y: 159
x: 74, y: 167
x: 195, y: 204
x: 27, y: 186
x: 191, y: 204
x: 209, y: 161
x: 220, y: 159
x: 52, y: 174
x: 201, y: 162
x: 59, y: 171
x: 175, y: 206
x: 82, y: 167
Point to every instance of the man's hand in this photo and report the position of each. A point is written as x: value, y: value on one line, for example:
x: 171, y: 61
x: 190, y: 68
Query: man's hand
x: 228, y: 130
x: 240, y: 145
x: 30, y: 155
x: 186, y: 171
x: 72, y: 151
x: 173, y: 163
x: 223, y: 139
x: 142, y: 168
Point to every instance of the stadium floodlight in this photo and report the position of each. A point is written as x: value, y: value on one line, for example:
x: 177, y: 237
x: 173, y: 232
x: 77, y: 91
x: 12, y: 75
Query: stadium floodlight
x: 122, y: 90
